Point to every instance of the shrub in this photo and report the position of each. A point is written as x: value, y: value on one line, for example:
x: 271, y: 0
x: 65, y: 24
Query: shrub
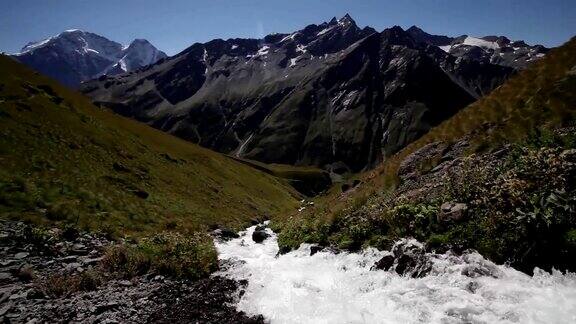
x: 173, y: 254
x: 64, y: 285
x: 192, y: 256
x: 125, y: 261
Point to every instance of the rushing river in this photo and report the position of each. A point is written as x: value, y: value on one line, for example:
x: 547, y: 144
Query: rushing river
x: 341, y: 288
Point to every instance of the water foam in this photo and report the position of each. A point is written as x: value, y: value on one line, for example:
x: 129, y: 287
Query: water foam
x: 340, y: 288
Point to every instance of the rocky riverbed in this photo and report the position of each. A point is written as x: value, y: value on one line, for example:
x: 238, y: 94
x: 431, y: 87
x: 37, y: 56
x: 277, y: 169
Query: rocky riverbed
x: 38, y: 267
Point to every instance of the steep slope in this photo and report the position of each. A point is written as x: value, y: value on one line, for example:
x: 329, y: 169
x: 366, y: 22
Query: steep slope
x: 497, y: 177
x: 64, y: 160
x: 74, y: 56
x: 331, y: 95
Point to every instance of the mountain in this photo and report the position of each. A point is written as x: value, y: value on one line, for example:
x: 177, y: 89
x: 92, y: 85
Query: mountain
x: 332, y: 95
x: 498, y: 177
x: 63, y: 160
x: 75, y: 56
x: 488, y: 49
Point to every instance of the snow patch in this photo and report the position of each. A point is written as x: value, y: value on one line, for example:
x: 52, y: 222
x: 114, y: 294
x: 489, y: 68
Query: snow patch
x: 324, y: 31
x: 446, y: 48
x: 473, y: 41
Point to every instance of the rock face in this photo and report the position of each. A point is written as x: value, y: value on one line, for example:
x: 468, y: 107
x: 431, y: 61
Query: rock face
x: 75, y: 56
x: 328, y: 95
x: 497, y: 50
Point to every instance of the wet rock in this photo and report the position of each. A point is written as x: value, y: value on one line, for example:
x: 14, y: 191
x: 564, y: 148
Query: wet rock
x: 259, y: 235
x: 472, y: 286
x: 315, y: 249
x: 452, y: 211
x: 475, y: 271
x: 385, y: 263
x: 411, y: 259
x: 225, y: 234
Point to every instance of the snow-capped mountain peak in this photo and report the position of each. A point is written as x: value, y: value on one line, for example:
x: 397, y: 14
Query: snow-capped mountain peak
x: 75, y: 55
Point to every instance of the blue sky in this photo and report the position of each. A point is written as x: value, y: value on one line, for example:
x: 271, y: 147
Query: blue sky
x: 173, y: 25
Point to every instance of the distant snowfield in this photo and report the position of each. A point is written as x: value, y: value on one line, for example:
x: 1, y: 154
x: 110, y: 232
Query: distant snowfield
x: 340, y: 288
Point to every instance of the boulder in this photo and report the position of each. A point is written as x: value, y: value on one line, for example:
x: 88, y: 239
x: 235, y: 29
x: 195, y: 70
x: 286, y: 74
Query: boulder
x: 452, y: 211
x: 315, y: 249
x: 385, y: 263
x: 408, y: 258
x: 225, y: 234
x: 259, y: 235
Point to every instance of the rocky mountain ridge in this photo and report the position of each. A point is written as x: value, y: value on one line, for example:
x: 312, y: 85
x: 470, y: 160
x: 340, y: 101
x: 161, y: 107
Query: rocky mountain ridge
x: 74, y: 56
x: 332, y: 95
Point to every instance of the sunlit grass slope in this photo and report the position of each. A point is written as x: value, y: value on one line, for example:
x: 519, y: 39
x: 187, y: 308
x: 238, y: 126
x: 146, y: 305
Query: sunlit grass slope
x: 64, y: 160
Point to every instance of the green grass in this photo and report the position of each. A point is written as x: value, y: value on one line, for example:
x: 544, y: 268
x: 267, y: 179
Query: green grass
x: 63, y: 160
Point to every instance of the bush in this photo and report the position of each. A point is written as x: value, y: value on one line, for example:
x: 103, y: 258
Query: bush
x: 64, y: 285
x: 125, y: 261
x: 172, y: 254
x: 192, y: 256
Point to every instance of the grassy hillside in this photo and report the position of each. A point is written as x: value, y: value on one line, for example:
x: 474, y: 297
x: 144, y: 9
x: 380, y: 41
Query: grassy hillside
x: 539, y: 98
x: 64, y: 160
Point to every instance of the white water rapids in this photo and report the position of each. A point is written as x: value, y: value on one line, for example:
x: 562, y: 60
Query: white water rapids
x: 341, y: 288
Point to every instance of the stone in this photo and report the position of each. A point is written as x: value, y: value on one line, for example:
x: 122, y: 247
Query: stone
x: 125, y: 283
x: 4, y: 310
x: 452, y: 211
x: 91, y: 261
x: 411, y: 259
x: 259, y: 235
x: 315, y: 249
x: 21, y: 255
x: 225, y: 234
x: 5, y: 276
x: 475, y: 271
x: 73, y: 266
x: 385, y: 263
x: 68, y: 259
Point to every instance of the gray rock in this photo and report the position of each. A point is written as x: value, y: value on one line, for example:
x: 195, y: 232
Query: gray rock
x: 452, y: 211
x: 68, y: 259
x: 21, y: 255
x: 73, y: 266
x: 125, y: 283
x: 91, y: 261
x: 4, y: 310
x: 5, y: 276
